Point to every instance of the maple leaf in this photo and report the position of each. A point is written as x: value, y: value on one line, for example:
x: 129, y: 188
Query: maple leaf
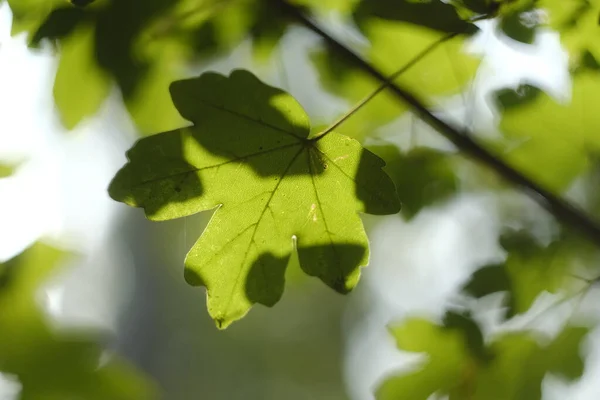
x: 276, y: 189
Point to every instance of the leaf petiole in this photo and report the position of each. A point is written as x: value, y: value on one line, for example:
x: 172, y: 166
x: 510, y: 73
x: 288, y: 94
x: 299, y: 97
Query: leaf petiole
x: 384, y: 85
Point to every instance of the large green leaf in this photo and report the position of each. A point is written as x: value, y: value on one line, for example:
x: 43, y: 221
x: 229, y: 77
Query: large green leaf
x: 249, y: 154
x: 551, y: 141
x: 52, y: 365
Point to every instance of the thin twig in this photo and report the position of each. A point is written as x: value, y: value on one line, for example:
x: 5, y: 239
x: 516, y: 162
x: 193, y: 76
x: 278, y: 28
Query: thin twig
x: 561, y: 209
x: 384, y: 85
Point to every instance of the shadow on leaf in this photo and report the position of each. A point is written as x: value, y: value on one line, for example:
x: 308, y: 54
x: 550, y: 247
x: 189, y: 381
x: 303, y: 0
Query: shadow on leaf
x: 435, y: 15
x: 337, y: 265
x: 241, y: 118
x: 160, y: 185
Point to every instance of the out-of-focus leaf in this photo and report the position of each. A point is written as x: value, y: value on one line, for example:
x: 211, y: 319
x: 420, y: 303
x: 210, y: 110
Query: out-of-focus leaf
x: 464, y: 323
x: 6, y: 170
x: 251, y: 156
x: 80, y: 85
x: 591, y: 187
x: 28, y: 15
x: 551, y: 142
x: 50, y: 365
x: 577, y: 23
x: 450, y: 364
x: 432, y: 14
x: 509, y: 98
x: 529, y: 269
x: 487, y: 280
x: 513, y: 365
x: 60, y: 23
x: 142, y: 45
x: 468, y: 9
x: 443, y: 71
x: 521, y: 363
x: 515, y: 27
x: 150, y: 105
x: 423, y: 176
x: 394, y: 43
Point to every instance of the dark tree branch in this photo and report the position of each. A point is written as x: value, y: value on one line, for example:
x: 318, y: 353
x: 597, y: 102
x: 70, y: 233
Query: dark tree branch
x: 561, y: 209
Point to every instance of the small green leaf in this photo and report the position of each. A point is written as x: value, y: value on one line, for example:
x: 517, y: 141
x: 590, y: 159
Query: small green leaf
x: 423, y: 176
x: 250, y: 156
x: 80, y: 85
x: 551, y: 141
x: 59, y: 24
x: 28, y: 15
x: 435, y: 15
x: 521, y: 364
x: 487, y: 280
x: 515, y: 28
x: 529, y: 270
x: 473, y: 336
x: 393, y: 44
x: 468, y: 9
x: 577, y: 23
x: 451, y: 351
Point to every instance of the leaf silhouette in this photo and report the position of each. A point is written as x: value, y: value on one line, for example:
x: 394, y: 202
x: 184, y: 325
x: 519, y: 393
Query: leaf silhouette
x: 250, y: 155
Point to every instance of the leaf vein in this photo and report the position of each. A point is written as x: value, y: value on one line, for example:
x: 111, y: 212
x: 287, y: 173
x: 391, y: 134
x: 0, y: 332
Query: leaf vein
x: 260, y: 153
x: 252, y: 238
x: 248, y: 118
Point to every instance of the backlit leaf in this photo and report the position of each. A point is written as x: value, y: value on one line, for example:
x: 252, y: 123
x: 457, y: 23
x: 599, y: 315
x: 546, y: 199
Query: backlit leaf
x: 423, y: 176
x: 450, y: 364
x: 529, y: 270
x: 521, y: 363
x: 512, y: 366
x: 577, y: 23
x: 398, y: 33
x: 250, y: 155
x: 80, y: 85
x: 551, y: 141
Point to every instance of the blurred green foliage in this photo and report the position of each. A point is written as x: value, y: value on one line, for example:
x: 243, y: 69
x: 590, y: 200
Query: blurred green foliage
x: 423, y: 176
x: 553, y: 141
x: 53, y: 364
x: 509, y: 366
x: 532, y: 268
